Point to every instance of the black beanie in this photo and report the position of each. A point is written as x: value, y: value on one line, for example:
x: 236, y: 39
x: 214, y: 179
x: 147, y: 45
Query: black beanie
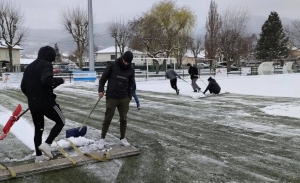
x: 209, y: 79
x: 127, y: 56
x: 188, y: 64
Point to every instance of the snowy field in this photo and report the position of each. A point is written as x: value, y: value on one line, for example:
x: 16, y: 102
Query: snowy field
x: 251, y: 134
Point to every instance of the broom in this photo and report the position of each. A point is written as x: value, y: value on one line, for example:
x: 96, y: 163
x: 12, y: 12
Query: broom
x: 76, y: 132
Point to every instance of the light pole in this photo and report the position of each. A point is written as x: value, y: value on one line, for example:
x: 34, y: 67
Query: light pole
x: 91, y: 37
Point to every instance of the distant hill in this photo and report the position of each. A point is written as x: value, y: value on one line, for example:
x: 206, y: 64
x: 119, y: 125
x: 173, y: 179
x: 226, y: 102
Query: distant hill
x: 41, y: 37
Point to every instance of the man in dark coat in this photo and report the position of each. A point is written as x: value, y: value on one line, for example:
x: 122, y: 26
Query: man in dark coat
x: 193, y: 71
x: 213, y: 86
x: 120, y: 77
x: 38, y: 84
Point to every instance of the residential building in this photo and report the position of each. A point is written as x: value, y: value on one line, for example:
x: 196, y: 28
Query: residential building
x: 189, y: 58
x: 4, y: 55
x: 294, y: 54
x: 109, y: 54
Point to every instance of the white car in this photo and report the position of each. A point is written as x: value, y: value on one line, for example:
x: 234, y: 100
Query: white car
x: 203, y: 66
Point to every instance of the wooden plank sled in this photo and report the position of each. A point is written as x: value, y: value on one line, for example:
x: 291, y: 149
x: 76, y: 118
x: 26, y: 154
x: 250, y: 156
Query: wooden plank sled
x: 55, y: 164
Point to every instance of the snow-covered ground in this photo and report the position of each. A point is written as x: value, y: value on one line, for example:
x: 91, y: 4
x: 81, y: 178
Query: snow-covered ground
x: 266, y: 92
x: 281, y: 85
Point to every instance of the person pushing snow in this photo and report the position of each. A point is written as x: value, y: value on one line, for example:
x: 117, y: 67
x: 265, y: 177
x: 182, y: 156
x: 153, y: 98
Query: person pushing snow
x: 172, y: 75
x: 38, y: 85
x: 120, y: 76
x: 193, y: 72
x: 213, y: 86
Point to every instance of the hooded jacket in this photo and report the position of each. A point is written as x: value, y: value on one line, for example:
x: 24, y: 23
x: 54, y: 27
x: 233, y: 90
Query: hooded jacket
x: 193, y: 71
x: 213, y: 86
x: 171, y: 74
x: 120, y: 79
x: 38, y: 82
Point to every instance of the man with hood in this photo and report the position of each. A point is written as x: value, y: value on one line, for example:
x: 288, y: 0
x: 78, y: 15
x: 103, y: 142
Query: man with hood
x: 213, y: 86
x: 120, y: 76
x: 172, y: 75
x: 38, y: 84
x: 193, y: 71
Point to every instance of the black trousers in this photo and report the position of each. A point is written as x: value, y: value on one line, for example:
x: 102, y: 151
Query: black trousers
x: 55, y: 114
x: 214, y: 91
x: 173, y: 83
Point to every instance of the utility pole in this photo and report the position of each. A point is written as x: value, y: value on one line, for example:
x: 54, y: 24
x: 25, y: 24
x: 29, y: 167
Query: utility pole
x: 91, y: 37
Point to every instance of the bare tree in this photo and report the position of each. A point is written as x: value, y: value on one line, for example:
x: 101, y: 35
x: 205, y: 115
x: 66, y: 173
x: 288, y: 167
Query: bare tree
x: 75, y: 21
x: 213, y: 25
x: 194, y: 46
x: 182, y: 47
x: 12, y: 32
x: 174, y: 20
x: 232, y: 32
x: 147, y: 36
x: 120, y: 31
x: 293, y: 32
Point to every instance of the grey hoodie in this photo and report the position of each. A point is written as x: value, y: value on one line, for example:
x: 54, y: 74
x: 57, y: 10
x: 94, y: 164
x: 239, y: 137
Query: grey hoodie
x: 171, y: 74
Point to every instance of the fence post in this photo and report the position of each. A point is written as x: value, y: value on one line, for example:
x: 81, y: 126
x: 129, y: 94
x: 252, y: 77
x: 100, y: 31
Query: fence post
x: 70, y: 77
x: 199, y: 72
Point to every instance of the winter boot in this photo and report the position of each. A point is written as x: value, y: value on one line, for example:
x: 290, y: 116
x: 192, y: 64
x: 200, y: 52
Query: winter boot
x: 45, y: 148
x: 39, y: 159
x: 125, y: 142
x: 177, y: 91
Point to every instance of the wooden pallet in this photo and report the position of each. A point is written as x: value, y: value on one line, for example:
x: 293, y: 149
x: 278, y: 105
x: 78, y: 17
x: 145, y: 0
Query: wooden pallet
x: 55, y: 164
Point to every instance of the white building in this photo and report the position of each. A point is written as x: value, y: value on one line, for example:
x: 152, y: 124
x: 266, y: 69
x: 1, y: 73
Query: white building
x: 4, y: 55
x: 109, y: 54
x: 189, y: 57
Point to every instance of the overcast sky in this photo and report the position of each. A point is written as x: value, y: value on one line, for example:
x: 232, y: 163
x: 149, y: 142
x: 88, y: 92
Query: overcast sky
x: 45, y: 13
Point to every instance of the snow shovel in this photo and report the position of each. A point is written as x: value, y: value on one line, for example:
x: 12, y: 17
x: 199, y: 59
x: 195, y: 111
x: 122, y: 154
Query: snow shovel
x: 13, y: 118
x: 80, y: 131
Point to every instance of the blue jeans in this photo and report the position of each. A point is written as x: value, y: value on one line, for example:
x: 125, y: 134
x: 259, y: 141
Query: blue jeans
x: 136, y: 99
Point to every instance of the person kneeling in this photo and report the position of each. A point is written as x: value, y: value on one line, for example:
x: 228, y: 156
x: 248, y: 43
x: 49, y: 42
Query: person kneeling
x: 213, y: 86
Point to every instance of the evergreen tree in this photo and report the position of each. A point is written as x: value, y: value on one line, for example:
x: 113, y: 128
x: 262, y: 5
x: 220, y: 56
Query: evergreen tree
x: 58, y: 54
x: 272, y: 43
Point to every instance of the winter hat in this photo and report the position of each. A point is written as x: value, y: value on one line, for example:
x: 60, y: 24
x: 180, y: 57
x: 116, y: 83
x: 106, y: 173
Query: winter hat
x: 209, y: 79
x: 188, y: 64
x: 169, y: 67
x: 127, y: 56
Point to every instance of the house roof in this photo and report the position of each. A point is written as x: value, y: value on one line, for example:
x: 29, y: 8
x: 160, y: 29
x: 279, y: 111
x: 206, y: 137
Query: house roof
x: 26, y: 61
x: 3, y: 45
x: 200, y: 55
x: 112, y: 49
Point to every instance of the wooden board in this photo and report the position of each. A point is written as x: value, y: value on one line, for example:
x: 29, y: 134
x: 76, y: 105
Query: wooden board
x: 55, y: 164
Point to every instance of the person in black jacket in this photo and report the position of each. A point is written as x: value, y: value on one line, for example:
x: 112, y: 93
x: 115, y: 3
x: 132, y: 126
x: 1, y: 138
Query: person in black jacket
x: 213, y: 86
x: 120, y: 77
x: 38, y: 84
x: 193, y: 71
